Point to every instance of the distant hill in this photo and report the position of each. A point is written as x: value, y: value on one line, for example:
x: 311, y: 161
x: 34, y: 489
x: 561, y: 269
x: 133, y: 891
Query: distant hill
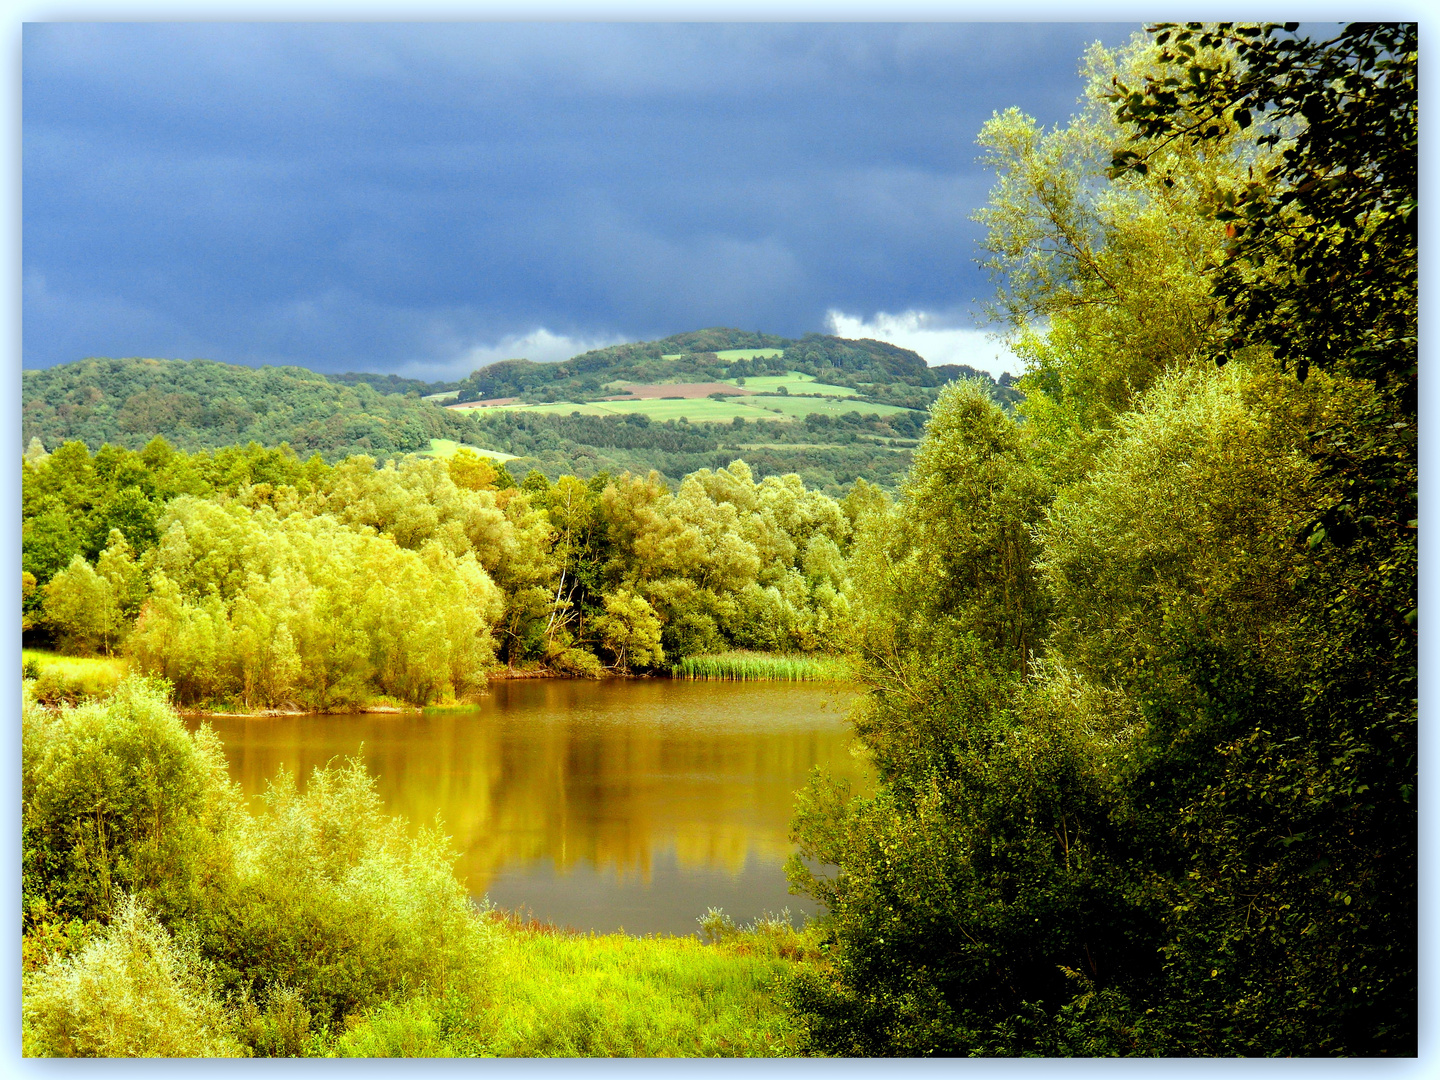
x: 201, y: 404
x: 865, y: 424
x: 877, y: 369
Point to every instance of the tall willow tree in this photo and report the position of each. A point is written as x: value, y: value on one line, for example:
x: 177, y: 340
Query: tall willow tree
x: 1141, y: 683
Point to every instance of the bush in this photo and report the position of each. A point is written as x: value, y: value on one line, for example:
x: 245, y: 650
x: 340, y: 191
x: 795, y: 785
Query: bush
x: 331, y: 897
x: 281, y: 1029
x: 320, y: 908
x: 131, y: 993
x: 421, y: 1027
x: 118, y: 797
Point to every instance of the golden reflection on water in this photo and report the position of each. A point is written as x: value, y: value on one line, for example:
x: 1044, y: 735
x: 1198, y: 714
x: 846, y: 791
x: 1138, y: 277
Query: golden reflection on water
x: 600, y: 803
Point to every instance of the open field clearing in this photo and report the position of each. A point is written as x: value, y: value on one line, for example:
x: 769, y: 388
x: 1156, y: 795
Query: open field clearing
x: 747, y: 354
x: 101, y: 668
x: 490, y: 404
x: 795, y: 382
x: 683, y: 390
x: 448, y: 395
x: 60, y: 678
x: 444, y: 448
x: 709, y: 410
x: 804, y: 406
x: 696, y: 409
x: 733, y: 354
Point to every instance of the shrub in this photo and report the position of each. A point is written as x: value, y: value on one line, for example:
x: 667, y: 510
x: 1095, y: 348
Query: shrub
x: 331, y: 897
x: 118, y: 797
x: 281, y: 1029
x: 420, y: 1027
x: 131, y: 993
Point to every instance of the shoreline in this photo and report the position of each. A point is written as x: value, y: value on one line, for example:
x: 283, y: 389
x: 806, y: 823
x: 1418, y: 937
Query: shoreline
x: 502, y: 675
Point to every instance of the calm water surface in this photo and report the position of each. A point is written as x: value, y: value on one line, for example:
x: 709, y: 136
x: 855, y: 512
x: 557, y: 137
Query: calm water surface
x: 624, y: 804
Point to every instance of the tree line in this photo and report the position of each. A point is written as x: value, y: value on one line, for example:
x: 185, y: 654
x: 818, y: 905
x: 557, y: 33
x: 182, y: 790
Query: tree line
x: 204, y: 405
x: 253, y: 576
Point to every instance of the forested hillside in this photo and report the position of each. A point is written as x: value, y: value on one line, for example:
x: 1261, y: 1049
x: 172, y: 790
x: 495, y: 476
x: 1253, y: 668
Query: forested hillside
x: 200, y: 404
x: 882, y: 372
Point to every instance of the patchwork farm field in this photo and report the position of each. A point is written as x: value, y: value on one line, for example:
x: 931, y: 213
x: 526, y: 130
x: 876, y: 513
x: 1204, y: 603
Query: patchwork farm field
x: 795, y: 382
x: 707, y: 409
x: 760, y: 398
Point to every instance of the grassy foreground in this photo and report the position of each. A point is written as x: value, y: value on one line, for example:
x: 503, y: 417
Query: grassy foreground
x: 610, y: 995
x: 740, y: 664
x: 558, y: 994
x: 67, y: 679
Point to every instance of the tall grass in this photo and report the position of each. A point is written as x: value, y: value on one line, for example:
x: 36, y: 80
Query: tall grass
x: 742, y: 664
x: 554, y: 993
x: 611, y: 995
x: 63, y: 679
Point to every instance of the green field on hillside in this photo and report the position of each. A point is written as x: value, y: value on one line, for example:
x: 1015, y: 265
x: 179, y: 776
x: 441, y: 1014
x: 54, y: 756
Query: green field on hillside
x: 747, y: 354
x: 794, y: 382
x: 445, y: 448
x: 804, y: 406
x: 708, y: 409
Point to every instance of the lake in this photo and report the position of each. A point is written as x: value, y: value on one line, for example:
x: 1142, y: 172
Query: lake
x: 628, y: 804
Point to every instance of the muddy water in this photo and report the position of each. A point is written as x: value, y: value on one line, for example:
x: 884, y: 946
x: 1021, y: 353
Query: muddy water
x: 631, y: 804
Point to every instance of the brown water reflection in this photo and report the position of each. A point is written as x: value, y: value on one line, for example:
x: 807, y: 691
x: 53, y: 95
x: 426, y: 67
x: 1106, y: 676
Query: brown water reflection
x: 600, y: 805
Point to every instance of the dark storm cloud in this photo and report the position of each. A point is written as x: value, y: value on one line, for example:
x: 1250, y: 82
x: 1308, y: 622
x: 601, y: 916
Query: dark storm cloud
x: 353, y: 196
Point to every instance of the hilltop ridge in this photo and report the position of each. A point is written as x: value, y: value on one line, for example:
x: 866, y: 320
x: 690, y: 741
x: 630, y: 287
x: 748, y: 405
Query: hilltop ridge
x: 873, y: 368
x: 832, y: 409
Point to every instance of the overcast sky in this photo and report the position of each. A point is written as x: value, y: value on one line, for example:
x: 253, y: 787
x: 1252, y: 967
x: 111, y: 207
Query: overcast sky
x: 428, y: 198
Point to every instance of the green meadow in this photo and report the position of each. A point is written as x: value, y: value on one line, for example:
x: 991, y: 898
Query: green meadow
x: 708, y: 409
x: 794, y: 382
x: 445, y: 448
x: 613, y: 995
x: 729, y: 355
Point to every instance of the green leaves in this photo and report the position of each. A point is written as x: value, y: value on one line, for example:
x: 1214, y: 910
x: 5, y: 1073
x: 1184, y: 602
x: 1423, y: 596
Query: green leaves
x: 1335, y: 232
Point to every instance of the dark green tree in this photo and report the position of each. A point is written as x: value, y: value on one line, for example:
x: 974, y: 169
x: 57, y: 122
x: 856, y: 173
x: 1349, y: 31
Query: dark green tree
x: 1321, y: 264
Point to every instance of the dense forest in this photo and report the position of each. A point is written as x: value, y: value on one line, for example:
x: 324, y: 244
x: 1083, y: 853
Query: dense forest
x: 1138, y: 654
x: 203, y: 405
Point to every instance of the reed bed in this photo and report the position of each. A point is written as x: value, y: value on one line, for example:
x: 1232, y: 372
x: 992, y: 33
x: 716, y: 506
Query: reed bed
x: 743, y: 665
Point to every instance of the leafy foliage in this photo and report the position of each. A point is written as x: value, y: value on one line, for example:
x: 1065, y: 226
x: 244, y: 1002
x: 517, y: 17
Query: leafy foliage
x: 192, y: 914
x: 132, y: 992
x: 200, y: 404
x: 1181, y: 818
x: 264, y: 581
x: 1323, y: 244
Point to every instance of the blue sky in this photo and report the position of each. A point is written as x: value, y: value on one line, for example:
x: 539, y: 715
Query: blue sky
x: 427, y: 198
